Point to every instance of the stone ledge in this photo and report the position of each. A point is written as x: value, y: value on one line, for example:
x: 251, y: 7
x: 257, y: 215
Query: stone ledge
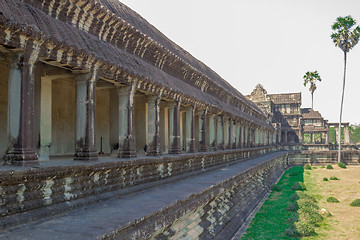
x: 243, y: 191
x: 36, y: 193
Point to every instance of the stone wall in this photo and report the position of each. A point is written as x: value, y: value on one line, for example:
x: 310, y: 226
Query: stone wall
x: 63, y: 187
x: 216, y: 213
x: 4, y: 75
x: 63, y: 117
x: 323, y: 157
x: 103, y: 120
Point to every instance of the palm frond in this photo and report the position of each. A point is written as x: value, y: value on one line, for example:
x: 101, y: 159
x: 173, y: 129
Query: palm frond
x: 345, y: 35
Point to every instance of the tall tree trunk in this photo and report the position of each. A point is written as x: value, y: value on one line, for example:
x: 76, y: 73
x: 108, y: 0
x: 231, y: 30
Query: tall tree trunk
x: 312, y: 100
x: 341, y: 108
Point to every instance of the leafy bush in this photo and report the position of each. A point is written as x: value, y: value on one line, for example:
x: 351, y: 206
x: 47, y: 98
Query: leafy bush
x: 304, y: 228
x: 292, y: 207
x: 307, y: 167
x: 310, y: 215
x: 293, y: 218
x: 294, y: 197
x: 329, y: 167
x: 291, y: 231
x: 299, y: 186
x: 332, y: 200
x: 306, y: 203
x: 334, y: 178
x: 275, y: 188
x: 323, y: 166
x: 355, y: 203
x: 325, y: 179
x: 303, y: 195
x: 342, y: 165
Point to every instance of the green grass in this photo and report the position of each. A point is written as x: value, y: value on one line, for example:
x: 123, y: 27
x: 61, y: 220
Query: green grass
x: 355, y: 203
x: 332, y: 200
x: 342, y: 165
x: 272, y: 220
x: 307, y: 167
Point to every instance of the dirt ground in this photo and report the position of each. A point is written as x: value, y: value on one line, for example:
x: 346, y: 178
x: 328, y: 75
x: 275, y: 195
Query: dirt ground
x: 345, y: 220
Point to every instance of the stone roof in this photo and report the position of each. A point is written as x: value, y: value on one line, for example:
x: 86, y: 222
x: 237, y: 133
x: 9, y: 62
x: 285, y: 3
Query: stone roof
x: 309, y: 113
x: 119, y: 40
x: 285, y: 98
x: 142, y: 25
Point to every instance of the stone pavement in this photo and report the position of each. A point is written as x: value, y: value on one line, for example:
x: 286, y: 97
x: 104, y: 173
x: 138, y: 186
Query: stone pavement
x: 95, y: 220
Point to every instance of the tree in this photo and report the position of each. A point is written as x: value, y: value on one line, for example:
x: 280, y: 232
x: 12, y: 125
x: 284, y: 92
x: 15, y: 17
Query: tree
x: 354, y: 133
x: 311, y: 77
x: 345, y: 36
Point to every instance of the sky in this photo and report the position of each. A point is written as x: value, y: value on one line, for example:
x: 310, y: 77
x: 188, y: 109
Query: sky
x: 273, y: 43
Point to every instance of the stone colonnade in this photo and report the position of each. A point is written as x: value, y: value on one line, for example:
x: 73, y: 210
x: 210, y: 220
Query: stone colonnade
x: 191, y: 127
x: 345, y: 131
x: 324, y: 135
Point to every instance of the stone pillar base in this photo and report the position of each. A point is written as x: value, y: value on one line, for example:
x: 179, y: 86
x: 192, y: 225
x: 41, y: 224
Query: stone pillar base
x: 175, y: 151
x: 127, y: 154
x: 89, y: 154
x: 191, y: 147
x: 203, y: 149
x: 21, y: 157
x: 221, y: 147
x: 153, y: 154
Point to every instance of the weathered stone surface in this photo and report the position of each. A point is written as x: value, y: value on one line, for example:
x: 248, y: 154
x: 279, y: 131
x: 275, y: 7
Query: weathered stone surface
x: 25, y: 190
x: 216, y: 213
x: 323, y: 157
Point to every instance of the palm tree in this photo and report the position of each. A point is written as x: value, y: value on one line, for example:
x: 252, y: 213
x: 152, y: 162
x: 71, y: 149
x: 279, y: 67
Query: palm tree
x: 345, y: 36
x: 311, y: 77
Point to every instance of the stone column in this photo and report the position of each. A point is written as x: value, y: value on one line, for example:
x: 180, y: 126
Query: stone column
x: 126, y: 122
x: 220, y: 133
x: 238, y: 134
x: 154, y: 125
x: 250, y: 137
x: 190, y: 129
x: 346, y: 134
x: 256, y: 137
x: 327, y: 138
x: 243, y: 139
x: 253, y: 134
x: 202, y: 128
x: 246, y: 136
x: 233, y: 133
x: 240, y: 143
x: 21, y: 139
x: 212, y: 132
x: 313, y: 138
x: 337, y: 132
x: 285, y: 137
x: 174, y: 117
x: 229, y: 129
x: 85, y: 116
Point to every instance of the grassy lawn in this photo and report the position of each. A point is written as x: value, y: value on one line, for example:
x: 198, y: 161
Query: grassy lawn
x: 343, y: 223
x: 271, y: 221
x: 345, y: 220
